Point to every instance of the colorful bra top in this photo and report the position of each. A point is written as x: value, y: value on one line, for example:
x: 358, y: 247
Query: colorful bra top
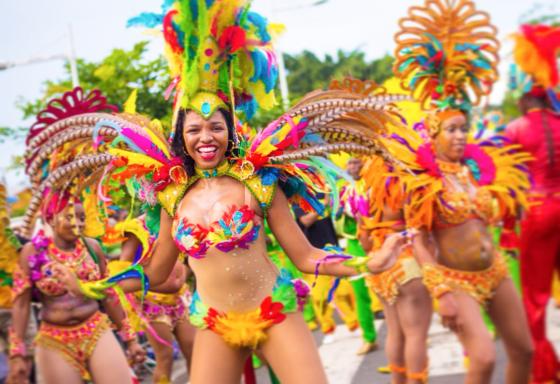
x: 489, y: 183
x: 461, y: 198
x: 43, y: 265
x: 238, y: 228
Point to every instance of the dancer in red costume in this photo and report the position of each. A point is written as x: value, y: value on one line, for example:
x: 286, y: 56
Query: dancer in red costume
x: 538, y: 132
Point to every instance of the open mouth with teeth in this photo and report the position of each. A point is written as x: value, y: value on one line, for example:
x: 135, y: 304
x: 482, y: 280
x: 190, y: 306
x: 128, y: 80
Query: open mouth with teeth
x: 207, y: 152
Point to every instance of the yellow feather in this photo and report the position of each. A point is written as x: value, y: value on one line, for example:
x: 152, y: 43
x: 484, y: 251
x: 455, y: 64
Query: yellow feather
x: 135, y: 158
x: 130, y: 103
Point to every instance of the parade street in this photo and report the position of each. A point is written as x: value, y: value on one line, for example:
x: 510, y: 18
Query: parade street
x: 446, y: 356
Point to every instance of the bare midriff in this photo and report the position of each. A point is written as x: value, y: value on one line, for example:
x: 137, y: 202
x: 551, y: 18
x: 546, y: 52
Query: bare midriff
x: 466, y: 246
x: 67, y: 309
x: 237, y: 280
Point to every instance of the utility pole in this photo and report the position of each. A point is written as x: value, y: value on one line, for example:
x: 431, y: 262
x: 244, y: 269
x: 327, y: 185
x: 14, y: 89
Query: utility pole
x: 70, y: 56
x: 284, y: 90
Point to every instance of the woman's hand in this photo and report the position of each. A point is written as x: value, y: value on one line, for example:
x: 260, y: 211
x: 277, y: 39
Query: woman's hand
x: 389, y: 252
x: 136, y: 354
x: 68, y: 278
x: 449, y: 312
x: 92, y: 290
x: 18, y: 371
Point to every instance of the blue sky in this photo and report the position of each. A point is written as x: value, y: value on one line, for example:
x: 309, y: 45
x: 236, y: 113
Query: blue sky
x: 33, y: 28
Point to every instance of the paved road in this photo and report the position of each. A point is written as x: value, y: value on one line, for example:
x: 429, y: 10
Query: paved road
x: 446, y: 357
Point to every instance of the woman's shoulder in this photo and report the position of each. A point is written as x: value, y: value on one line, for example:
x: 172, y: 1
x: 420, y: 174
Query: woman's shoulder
x: 261, y: 184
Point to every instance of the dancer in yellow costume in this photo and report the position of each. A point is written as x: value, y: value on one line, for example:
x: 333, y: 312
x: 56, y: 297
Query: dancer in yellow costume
x: 216, y: 189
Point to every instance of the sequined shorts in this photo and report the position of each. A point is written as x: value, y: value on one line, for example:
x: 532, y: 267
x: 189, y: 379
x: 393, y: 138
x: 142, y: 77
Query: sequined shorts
x: 167, y: 308
x: 75, y: 343
x: 247, y: 329
x: 387, y: 283
x: 481, y: 285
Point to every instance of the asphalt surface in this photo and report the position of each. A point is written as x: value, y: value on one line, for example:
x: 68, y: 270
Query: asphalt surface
x: 343, y: 366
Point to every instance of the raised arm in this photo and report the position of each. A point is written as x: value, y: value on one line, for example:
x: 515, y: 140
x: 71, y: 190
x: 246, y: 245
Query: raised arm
x: 297, y: 247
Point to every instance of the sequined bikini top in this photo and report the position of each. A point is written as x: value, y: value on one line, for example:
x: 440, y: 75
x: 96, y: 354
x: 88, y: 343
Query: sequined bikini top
x: 461, y: 199
x: 238, y: 228
x: 43, y: 265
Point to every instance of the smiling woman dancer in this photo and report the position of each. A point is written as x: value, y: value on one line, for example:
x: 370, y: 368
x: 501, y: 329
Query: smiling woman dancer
x: 219, y: 189
x: 447, y: 54
x: 74, y: 342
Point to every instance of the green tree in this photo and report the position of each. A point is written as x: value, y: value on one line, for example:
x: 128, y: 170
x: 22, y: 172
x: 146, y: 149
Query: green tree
x: 306, y: 72
x: 116, y: 76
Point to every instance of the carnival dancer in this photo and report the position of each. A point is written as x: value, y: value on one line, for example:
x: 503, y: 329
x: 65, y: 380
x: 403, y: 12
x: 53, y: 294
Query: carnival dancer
x: 535, y: 81
x: 74, y: 341
x: 406, y: 302
x: 447, y: 55
x: 218, y: 190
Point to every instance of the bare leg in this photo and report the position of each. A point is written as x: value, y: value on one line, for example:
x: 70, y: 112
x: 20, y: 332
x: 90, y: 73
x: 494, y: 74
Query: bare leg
x: 108, y: 363
x: 476, y: 340
x: 394, y: 344
x: 505, y: 306
x: 292, y: 353
x: 54, y: 369
x: 184, y: 333
x: 163, y: 353
x: 214, y: 361
x: 414, y: 308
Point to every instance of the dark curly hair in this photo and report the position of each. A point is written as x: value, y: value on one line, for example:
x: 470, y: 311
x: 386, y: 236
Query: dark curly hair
x: 178, y: 143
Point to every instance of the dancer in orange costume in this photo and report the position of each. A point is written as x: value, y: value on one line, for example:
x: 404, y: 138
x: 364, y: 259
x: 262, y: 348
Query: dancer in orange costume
x: 447, y: 56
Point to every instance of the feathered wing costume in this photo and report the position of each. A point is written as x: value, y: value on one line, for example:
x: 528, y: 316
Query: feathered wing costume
x: 447, y: 55
x: 9, y: 247
x: 498, y: 171
x: 221, y: 58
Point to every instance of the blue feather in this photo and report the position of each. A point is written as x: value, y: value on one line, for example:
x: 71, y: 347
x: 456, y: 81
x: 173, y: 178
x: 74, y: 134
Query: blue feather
x: 261, y: 24
x: 145, y: 19
x: 261, y: 72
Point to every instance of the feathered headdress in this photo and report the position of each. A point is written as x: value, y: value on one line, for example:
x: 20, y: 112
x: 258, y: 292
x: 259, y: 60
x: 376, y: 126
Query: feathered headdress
x: 219, y: 54
x: 447, y: 54
x: 536, y: 52
x: 60, y: 159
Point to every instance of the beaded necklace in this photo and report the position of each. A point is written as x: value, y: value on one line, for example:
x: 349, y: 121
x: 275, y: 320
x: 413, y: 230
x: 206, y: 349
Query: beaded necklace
x: 220, y: 170
x: 72, y: 259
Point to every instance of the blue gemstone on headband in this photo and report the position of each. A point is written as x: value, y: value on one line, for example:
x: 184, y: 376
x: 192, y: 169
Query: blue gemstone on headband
x: 205, y: 109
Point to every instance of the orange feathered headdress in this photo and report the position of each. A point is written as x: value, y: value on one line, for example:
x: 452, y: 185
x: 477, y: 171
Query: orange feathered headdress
x: 447, y: 54
x: 536, y: 50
